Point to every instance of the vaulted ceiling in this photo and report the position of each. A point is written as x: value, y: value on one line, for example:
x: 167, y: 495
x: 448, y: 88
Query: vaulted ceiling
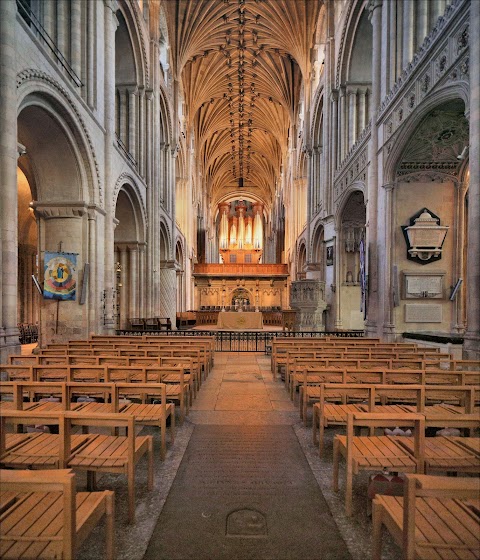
x: 241, y: 65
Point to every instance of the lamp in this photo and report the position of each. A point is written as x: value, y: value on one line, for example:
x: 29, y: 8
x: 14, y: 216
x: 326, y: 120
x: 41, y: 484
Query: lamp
x: 425, y: 236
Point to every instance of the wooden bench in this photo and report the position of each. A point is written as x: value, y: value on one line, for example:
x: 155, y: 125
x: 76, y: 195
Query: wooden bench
x: 43, y: 516
x: 438, y: 517
x: 374, y: 453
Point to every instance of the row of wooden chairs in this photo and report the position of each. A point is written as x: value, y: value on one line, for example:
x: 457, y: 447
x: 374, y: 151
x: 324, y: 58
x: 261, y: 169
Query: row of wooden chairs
x: 89, y: 452
x: 311, y: 379
x: 179, y: 384
x: 401, y: 453
x: 337, y: 400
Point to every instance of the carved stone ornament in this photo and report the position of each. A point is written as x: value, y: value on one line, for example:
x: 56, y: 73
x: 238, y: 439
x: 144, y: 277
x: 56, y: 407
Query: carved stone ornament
x: 424, y: 237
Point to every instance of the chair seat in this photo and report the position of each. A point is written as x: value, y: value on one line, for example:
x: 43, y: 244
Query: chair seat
x: 40, y: 452
x: 444, y: 527
x: 34, y: 531
x: 106, y: 452
x: 378, y: 452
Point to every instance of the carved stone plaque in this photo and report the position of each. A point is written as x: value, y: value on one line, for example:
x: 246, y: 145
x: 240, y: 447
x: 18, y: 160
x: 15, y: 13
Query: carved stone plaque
x: 423, y: 313
x: 426, y: 285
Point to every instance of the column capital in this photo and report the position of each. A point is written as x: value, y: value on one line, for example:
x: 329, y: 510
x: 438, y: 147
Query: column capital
x: 389, y: 186
x: 372, y: 6
x: 334, y: 95
x: 59, y: 209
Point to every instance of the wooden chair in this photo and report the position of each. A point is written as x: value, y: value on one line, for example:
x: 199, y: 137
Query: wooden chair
x: 107, y: 453
x: 42, y: 515
x: 150, y: 414
x: 438, y: 517
x: 375, y: 453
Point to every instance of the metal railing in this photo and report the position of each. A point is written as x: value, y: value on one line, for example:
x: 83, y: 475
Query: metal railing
x: 244, y: 341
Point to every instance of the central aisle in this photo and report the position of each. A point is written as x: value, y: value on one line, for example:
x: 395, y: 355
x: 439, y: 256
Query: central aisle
x: 244, y: 489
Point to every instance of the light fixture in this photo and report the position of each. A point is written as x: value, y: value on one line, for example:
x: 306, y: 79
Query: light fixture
x: 463, y: 155
x: 425, y: 237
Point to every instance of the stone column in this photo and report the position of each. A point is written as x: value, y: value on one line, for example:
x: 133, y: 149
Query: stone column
x: 62, y: 27
x: 91, y: 33
x: 110, y: 26
x: 385, y: 257
x: 472, y: 336
x: 168, y: 281
x: 373, y: 184
x: 76, y: 36
x: 392, y: 38
x: 61, y: 228
x: 352, y: 118
x: 334, y: 148
x: 132, y: 124
x: 141, y: 132
x: 361, y: 110
x: 132, y: 280
x: 123, y: 288
x: 459, y: 241
x: 8, y: 182
x: 342, y: 128
x: 48, y: 17
x: 408, y: 32
x: 142, y: 285
x: 422, y: 22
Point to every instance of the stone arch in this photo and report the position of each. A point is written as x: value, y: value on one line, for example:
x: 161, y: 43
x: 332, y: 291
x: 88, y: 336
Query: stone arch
x: 351, y: 221
x: 39, y: 89
x: 127, y: 181
x: 180, y: 263
x: 129, y: 241
x: 355, y: 12
x: 399, y: 140
x: 130, y: 13
x: 301, y: 259
x: 165, y: 241
x: 57, y: 165
x: 318, y: 250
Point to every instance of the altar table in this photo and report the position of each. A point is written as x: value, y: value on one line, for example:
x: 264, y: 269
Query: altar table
x: 240, y: 320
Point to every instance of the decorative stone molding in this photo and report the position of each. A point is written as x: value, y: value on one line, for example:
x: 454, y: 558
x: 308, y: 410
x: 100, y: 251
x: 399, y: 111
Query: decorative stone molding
x: 455, y: 46
x: 60, y: 209
x: 123, y: 178
x: 354, y: 172
x: 33, y: 75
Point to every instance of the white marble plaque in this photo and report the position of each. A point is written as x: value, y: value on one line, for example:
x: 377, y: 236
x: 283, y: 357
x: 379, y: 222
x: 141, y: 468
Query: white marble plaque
x: 423, y: 285
x: 423, y: 313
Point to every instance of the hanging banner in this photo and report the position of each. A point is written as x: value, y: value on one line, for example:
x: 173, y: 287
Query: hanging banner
x: 363, y: 279
x: 60, y: 279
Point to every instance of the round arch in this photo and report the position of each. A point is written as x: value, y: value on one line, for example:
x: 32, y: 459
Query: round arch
x: 404, y: 133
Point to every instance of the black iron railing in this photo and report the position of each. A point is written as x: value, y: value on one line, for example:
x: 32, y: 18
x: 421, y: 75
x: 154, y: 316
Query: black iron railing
x: 244, y: 341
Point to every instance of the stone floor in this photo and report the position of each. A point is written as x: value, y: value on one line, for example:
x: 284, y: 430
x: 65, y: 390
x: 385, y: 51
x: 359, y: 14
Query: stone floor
x: 239, y: 391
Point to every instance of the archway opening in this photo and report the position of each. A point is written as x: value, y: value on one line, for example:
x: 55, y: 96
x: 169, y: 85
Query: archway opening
x: 352, y: 231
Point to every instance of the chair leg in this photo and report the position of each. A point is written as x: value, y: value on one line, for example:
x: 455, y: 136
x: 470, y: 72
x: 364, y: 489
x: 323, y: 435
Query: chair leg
x: 110, y: 527
x: 163, y: 438
x: 348, y: 489
x: 321, y: 433
x: 314, y: 425
x: 131, y: 494
x: 376, y: 531
x: 150, y: 464
x: 336, y: 457
x: 172, y: 424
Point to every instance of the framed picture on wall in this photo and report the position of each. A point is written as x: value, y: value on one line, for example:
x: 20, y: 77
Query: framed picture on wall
x: 330, y: 256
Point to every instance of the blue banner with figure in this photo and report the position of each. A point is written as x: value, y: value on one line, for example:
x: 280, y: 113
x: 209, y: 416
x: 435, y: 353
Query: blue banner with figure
x: 60, y: 278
